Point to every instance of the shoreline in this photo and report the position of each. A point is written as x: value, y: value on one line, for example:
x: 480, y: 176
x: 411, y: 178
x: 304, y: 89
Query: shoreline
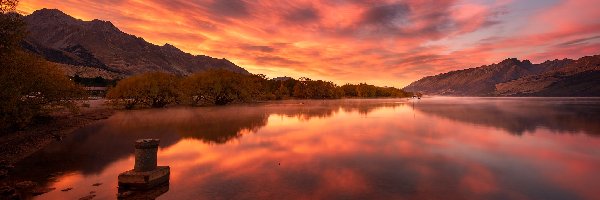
x: 22, y: 144
x: 17, y: 145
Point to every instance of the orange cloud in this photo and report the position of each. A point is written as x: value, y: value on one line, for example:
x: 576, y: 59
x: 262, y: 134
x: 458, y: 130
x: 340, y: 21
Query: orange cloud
x: 388, y: 43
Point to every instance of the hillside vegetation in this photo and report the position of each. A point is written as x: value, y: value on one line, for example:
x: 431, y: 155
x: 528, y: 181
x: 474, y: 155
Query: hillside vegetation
x: 31, y: 86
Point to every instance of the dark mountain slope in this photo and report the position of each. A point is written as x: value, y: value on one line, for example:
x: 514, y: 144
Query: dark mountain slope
x: 512, y: 77
x: 99, y: 44
x: 480, y: 81
x: 578, y: 78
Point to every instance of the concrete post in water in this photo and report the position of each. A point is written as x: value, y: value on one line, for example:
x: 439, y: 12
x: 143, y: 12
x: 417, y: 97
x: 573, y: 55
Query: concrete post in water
x: 145, y: 175
x: 145, y: 154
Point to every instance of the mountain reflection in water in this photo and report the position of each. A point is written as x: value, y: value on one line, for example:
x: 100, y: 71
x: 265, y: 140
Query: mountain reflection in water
x: 440, y: 148
x: 520, y: 115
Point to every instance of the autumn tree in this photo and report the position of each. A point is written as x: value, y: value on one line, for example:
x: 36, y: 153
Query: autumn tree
x: 306, y: 88
x: 349, y: 90
x: 220, y: 87
x: 155, y: 89
x: 301, y: 90
x: 282, y: 92
x: 12, y: 26
x: 364, y: 90
x: 30, y: 85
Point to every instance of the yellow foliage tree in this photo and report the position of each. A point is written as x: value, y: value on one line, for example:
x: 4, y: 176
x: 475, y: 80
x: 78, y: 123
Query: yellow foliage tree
x: 12, y: 27
x: 220, y: 87
x: 282, y: 92
x: 31, y: 87
x: 155, y: 89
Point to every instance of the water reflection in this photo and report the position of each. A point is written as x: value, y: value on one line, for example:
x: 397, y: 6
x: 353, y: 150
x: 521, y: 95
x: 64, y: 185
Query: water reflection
x: 348, y: 149
x: 520, y: 115
x: 153, y: 193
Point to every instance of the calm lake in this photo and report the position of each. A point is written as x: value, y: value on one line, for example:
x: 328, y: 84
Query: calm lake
x: 433, y: 148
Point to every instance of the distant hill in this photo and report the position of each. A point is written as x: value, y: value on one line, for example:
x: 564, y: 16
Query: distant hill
x: 513, y: 77
x: 100, y: 47
x: 577, y: 78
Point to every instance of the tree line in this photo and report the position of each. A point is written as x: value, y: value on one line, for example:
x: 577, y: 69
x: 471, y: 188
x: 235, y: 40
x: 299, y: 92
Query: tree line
x: 33, y: 88
x: 93, y: 82
x: 221, y: 87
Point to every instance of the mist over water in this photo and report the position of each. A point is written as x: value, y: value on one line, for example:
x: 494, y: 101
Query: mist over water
x: 433, y: 148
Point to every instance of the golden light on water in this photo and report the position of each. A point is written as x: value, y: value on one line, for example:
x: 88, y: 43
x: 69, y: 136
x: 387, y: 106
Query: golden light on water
x: 361, y: 149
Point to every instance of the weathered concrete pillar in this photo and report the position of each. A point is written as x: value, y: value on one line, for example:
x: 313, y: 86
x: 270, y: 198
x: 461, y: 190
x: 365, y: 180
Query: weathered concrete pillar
x: 145, y: 174
x: 145, y: 155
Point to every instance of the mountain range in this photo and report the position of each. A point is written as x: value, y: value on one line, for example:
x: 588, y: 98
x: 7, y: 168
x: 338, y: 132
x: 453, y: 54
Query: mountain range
x: 513, y: 77
x: 98, y: 48
x: 91, y: 48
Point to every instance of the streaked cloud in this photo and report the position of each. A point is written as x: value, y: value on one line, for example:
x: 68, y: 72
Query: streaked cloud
x: 385, y: 42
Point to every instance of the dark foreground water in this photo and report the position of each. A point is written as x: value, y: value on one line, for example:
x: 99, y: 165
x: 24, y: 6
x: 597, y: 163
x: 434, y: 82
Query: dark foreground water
x: 435, y: 148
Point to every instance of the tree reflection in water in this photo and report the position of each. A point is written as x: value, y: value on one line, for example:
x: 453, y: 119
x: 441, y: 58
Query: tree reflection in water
x: 446, y: 148
x: 91, y: 148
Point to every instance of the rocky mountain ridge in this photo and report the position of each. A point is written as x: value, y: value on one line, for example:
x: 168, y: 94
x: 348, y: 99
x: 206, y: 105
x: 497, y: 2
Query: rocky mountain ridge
x: 100, y: 45
x: 513, y: 77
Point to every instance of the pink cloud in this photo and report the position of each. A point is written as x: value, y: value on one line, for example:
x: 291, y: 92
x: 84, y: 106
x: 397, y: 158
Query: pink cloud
x: 383, y: 42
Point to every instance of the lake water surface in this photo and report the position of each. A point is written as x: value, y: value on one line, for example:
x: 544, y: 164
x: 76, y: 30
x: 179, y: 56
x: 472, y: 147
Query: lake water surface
x: 433, y: 148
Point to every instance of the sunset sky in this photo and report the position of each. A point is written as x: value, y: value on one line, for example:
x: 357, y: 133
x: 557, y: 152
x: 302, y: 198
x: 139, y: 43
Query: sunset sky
x: 386, y: 43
